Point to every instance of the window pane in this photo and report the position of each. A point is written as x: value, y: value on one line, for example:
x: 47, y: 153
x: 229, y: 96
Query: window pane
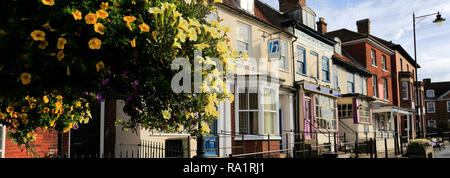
x: 243, y: 122
x: 253, y: 97
x: 269, y: 118
x: 243, y: 101
x: 253, y: 117
x: 269, y: 100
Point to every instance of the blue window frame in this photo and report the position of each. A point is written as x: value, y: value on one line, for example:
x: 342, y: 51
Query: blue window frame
x: 351, y: 83
x: 301, y: 60
x: 335, y: 77
x: 325, y: 69
x: 361, y: 84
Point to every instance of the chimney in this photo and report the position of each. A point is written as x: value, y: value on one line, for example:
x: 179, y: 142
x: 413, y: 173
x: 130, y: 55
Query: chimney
x: 322, y: 26
x: 363, y: 26
x: 426, y: 82
x: 290, y: 5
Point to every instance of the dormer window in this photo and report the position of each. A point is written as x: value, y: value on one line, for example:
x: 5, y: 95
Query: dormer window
x: 247, y: 5
x: 430, y: 93
x: 309, y: 18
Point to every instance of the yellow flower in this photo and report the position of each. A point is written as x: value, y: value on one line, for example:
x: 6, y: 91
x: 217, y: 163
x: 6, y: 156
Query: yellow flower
x: 102, y: 13
x: 25, y: 78
x: 78, y: 104
x: 46, y: 110
x: 61, y: 43
x: 100, y: 65
x: 77, y: 15
x: 104, y: 5
x: 176, y: 44
x: 201, y: 46
x: 205, y: 128
x: 176, y: 14
x: 95, y: 43
x: 217, y: 1
x: 99, y: 28
x: 181, y: 36
x: 2, y: 116
x: 48, y: 2
x: 59, y: 97
x: 155, y: 36
x: 10, y: 109
x: 91, y: 18
x: 45, y: 99
x: 194, y: 23
x: 183, y: 24
x: 15, y: 115
x: 43, y: 45
x: 133, y: 43
x: 129, y: 19
x: 222, y: 47
x: 166, y: 114
x: 38, y: 35
x: 192, y: 34
x: 155, y: 10
x: 211, y: 110
x: 48, y: 27
x: 144, y: 27
x: 60, y: 55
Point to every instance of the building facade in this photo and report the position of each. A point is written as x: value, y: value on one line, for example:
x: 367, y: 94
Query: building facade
x: 437, y: 104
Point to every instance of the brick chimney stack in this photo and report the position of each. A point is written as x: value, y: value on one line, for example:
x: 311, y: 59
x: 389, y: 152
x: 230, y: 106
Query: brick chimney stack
x: 290, y: 5
x: 426, y: 82
x: 322, y: 26
x: 363, y: 26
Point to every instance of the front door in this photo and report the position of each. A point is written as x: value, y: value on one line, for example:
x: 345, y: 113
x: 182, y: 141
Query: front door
x: 308, y: 119
x: 211, y: 145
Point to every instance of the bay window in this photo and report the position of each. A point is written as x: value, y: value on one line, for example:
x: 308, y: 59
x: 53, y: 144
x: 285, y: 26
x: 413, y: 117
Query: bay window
x: 270, y: 111
x: 405, y: 90
x: 325, y: 117
x: 364, y: 112
x: 248, y: 112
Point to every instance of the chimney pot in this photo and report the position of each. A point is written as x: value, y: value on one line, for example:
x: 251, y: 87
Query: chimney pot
x: 322, y: 26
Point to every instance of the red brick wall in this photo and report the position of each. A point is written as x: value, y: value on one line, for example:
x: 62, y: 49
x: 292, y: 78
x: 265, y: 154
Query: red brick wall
x: 46, y: 143
x: 378, y: 71
x: 254, y: 146
x: 441, y: 111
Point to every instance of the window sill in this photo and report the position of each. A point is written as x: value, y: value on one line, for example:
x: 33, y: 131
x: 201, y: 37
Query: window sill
x: 283, y: 70
x: 365, y: 123
x: 302, y: 74
x: 385, y: 70
x: 375, y: 66
x: 257, y: 138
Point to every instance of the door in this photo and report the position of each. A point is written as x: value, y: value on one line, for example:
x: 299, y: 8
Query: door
x: 85, y: 141
x: 308, y: 119
x: 211, y: 145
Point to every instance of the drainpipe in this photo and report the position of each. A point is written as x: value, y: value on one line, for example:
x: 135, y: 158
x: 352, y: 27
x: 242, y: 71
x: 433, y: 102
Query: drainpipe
x: 296, y: 94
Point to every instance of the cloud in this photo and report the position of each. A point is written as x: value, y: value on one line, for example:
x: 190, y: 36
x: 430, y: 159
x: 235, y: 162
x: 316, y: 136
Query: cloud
x: 393, y: 20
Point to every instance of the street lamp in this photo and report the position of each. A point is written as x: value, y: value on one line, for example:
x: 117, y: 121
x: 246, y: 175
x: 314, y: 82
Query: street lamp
x: 439, y: 20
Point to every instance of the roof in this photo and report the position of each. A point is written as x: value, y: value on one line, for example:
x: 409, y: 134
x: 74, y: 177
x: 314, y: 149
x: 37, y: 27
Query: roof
x: 282, y: 20
x: 258, y: 15
x: 440, y: 88
x: 349, y: 62
x: 348, y: 35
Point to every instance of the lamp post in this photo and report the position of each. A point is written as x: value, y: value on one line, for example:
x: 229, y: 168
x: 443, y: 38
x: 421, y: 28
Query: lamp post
x: 439, y: 20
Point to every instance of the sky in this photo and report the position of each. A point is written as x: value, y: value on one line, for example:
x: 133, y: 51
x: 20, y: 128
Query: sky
x: 392, y: 20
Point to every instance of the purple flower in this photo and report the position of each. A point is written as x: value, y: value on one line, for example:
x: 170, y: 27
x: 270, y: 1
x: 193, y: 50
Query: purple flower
x: 106, y: 81
x: 85, y: 93
x: 125, y: 74
x: 99, y: 97
x: 136, y: 83
x: 76, y: 127
x: 129, y: 98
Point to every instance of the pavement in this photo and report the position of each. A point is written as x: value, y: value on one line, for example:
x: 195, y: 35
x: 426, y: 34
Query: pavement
x: 444, y: 153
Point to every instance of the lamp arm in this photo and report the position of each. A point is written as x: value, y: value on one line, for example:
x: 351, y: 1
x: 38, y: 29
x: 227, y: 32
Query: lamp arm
x: 427, y: 15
